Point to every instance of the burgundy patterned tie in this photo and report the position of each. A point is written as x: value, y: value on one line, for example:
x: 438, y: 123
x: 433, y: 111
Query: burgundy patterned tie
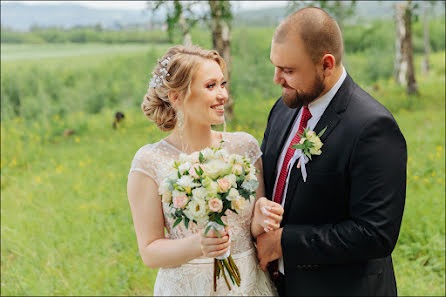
x: 273, y: 267
x: 306, y: 115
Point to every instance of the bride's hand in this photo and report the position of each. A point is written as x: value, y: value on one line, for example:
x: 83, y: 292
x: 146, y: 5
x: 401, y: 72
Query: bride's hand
x: 269, y: 214
x: 213, y: 246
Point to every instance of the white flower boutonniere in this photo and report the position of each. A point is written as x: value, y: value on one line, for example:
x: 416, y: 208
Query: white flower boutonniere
x: 309, y: 144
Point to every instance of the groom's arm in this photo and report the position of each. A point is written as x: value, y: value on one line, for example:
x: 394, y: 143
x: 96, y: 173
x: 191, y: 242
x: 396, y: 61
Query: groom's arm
x: 377, y: 196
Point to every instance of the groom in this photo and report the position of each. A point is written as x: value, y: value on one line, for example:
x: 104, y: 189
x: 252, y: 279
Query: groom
x: 343, y: 208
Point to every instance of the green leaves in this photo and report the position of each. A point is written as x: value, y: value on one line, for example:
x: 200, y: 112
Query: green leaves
x: 201, y: 158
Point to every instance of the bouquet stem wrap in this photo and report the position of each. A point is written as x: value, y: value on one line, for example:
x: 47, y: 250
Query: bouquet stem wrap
x: 224, y: 262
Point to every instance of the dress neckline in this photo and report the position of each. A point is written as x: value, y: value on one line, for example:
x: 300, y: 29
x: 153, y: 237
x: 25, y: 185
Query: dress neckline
x: 180, y: 151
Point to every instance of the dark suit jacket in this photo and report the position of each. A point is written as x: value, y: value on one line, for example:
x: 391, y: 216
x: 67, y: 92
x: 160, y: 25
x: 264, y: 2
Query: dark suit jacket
x: 341, y: 225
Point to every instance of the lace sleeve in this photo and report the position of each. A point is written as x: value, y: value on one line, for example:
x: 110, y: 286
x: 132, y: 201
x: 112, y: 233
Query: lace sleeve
x: 142, y: 162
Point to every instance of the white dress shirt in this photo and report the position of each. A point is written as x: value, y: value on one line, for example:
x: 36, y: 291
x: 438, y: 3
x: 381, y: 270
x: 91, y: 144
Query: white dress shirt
x: 317, y: 108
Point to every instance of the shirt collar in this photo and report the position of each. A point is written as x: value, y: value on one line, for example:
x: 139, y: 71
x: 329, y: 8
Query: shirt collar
x: 318, y: 106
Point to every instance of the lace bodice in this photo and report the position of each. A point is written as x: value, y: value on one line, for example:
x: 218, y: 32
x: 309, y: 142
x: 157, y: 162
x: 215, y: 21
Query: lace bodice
x: 154, y: 160
x: 195, y: 277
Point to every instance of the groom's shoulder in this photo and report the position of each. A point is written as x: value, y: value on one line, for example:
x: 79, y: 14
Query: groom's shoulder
x: 364, y: 107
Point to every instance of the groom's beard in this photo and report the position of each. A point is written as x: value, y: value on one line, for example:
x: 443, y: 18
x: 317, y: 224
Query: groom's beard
x: 297, y: 99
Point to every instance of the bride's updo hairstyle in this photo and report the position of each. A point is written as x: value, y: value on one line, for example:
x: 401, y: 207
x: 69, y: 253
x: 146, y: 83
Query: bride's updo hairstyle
x: 174, y: 71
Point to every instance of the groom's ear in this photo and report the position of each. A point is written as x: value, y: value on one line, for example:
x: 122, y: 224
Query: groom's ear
x: 328, y: 64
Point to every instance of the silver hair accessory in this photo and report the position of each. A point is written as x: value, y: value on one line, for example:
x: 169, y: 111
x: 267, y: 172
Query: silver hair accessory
x: 157, y: 80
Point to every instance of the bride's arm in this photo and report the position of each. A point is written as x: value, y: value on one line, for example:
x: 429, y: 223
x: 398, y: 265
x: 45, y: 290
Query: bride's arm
x: 156, y: 250
x: 274, y: 217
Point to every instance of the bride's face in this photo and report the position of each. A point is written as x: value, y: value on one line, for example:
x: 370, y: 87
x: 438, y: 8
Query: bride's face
x: 205, y: 105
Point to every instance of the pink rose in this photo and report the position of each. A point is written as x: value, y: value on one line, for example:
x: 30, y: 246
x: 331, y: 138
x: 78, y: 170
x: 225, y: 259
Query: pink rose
x: 192, y: 171
x: 223, y: 185
x: 180, y: 201
x: 215, y: 204
x: 237, y: 169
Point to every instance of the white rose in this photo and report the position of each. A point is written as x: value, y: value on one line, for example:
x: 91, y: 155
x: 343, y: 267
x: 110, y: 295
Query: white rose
x: 232, y: 179
x: 197, y: 210
x: 184, y: 167
x: 207, y: 153
x: 221, y: 154
x: 236, y: 159
x: 194, y: 157
x: 233, y: 195
x: 187, y: 183
x: 216, y: 168
x: 311, y: 134
x: 176, y: 193
x: 199, y: 193
x: 238, y: 204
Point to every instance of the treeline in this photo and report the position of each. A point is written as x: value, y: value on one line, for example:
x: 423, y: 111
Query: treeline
x: 96, y: 34
x: 357, y: 38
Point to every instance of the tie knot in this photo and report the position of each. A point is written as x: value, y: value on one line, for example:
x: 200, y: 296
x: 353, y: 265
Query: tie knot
x: 306, y: 114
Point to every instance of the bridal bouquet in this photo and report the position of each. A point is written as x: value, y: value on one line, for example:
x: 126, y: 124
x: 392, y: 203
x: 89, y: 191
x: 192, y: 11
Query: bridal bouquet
x: 202, y: 187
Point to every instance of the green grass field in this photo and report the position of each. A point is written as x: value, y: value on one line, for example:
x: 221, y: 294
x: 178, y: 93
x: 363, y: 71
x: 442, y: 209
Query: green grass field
x: 66, y: 224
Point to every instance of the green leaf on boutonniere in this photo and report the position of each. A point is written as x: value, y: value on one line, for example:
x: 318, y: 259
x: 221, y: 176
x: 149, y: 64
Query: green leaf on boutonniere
x: 322, y: 132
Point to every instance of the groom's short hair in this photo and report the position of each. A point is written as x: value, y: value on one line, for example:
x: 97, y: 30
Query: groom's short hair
x: 317, y: 29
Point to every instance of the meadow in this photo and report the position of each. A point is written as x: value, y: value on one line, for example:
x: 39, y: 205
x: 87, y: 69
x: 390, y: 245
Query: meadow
x: 66, y: 225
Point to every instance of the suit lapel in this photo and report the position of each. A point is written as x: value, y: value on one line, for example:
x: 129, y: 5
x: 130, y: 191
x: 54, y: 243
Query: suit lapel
x: 281, y: 132
x: 330, y: 118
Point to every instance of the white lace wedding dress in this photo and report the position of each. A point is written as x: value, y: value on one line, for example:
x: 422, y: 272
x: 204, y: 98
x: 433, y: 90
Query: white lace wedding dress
x: 196, y: 276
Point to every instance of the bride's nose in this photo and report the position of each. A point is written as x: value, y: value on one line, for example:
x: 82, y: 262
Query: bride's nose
x: 222, y: 95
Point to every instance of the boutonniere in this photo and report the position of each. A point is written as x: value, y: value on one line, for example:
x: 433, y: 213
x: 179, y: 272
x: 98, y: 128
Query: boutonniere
x: 310, y: 144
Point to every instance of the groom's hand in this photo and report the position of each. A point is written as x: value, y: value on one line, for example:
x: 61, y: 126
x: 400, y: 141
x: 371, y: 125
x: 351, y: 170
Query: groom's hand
x: 269, y: 247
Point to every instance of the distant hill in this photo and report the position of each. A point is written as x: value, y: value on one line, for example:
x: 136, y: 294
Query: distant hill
x: 21, y: 16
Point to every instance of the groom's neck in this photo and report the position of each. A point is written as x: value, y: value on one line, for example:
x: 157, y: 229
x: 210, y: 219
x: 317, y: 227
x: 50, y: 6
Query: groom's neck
x: 333, y: 79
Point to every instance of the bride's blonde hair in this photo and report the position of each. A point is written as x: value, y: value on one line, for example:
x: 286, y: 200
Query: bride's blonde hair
x: 182, y: 63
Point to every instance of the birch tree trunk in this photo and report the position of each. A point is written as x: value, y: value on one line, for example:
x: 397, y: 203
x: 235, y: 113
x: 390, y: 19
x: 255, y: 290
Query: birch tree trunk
x: 425, y: 63
x: 187, y: 39
x: 400, y: 66
x: 221, y: 39
x: 412, y: 87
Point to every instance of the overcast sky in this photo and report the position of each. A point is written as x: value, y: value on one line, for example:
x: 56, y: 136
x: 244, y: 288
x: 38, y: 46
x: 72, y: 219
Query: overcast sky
x: 139, y: 5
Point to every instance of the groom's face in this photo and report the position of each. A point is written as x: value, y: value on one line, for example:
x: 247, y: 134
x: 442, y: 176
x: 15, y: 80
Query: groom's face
x: 299, y: 77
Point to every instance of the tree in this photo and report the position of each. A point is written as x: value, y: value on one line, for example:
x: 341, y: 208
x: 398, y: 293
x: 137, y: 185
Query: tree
x: 221, y: 17
x: 176, y: 12
x: 404, y: 71
x: 340, y: 10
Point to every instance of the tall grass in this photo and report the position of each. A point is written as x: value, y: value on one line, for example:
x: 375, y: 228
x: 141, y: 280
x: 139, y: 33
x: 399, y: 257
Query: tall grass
x: 66, y: 224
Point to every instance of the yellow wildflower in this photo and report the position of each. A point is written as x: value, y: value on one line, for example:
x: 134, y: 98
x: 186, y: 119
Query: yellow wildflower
x: 38, y: 179
x: 415, y: 177
x: 77, y: 139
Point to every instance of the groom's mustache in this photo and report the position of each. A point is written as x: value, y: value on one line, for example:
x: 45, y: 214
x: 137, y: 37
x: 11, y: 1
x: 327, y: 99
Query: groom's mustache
x: 287, y: 86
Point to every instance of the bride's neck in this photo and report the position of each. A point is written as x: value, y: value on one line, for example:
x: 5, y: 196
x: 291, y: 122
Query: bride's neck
x: 193, y: 138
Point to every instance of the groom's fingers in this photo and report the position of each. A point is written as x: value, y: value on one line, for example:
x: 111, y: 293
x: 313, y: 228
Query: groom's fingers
x: 263, y: 265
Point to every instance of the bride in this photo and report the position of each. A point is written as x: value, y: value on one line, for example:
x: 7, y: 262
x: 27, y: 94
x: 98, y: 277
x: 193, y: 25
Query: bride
x: 187, y: 95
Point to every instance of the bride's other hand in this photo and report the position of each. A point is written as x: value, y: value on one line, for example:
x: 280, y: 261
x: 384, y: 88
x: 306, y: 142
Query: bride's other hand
x: 212, y: 245
x: 269, y: 214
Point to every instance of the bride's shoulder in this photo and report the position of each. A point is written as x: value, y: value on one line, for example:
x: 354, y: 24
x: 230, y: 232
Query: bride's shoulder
x: 240, y: 137
x: 148, y: 150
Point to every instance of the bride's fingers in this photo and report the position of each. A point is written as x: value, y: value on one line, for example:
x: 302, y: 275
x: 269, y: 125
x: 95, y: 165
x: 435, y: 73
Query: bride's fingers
x: 274, y: 217
x: 272, y: 225
x: 214, y: 241
x: 217, y: 253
